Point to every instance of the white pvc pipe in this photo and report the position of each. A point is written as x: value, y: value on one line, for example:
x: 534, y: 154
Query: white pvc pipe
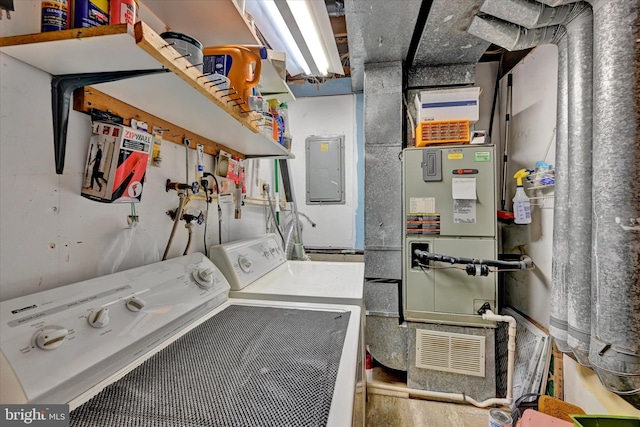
x: 460, y: 397
x: 511, y: 348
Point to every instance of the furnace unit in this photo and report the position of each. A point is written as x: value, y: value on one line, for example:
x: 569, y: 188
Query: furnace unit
x: 449, y: 208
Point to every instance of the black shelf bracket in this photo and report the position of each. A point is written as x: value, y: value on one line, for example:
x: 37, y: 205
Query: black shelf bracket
x: 62, y: 88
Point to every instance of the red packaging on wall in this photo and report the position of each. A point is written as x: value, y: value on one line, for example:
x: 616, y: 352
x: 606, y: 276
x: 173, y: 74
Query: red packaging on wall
x: 116, y: 164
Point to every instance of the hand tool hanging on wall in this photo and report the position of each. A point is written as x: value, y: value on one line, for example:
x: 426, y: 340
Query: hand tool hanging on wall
x: 507, y: 136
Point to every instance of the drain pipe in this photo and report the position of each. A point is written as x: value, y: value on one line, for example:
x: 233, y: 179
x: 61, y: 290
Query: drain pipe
x: 461, y: 397
x: 615, y: 341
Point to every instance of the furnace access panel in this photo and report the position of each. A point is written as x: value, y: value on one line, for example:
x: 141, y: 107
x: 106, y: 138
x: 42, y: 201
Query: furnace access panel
x: 449, y: 207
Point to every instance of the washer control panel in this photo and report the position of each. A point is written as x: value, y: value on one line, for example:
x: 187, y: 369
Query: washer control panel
x: 61, y: 342
x: 245, y: 261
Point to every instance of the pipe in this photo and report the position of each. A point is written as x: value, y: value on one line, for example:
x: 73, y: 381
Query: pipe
x: 529, y: 13
x: 511, y: 348
x: 615, y: 341
x: 511, y: 36
x: 189, y: 227
x: 580, y: 83
x: 558, y: 322
x: 176, y: 220
x: 461, y: 397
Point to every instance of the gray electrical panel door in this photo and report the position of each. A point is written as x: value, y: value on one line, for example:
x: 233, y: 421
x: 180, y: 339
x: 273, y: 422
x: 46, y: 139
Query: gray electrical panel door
x: 325, y: 169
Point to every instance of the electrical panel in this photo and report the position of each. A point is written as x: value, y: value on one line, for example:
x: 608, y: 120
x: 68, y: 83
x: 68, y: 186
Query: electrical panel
x: 449, y: 207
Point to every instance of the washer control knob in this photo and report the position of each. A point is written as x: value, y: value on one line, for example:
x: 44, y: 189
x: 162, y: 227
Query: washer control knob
x: 135, y: 304
x: 48, y: 339
x: 244, y: 263
x: 99, y: 318
x: 204, y: 277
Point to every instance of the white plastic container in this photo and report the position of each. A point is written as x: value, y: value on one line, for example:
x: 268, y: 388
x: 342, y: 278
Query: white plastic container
x: 521, y: 207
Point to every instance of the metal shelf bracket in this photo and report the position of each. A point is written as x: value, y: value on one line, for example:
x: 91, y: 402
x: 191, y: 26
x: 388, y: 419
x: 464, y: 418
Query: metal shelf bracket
x: 62, y: 87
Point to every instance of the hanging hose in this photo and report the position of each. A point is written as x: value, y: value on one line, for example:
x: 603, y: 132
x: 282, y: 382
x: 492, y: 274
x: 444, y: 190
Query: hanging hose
x: 273, y: 214
x: 215, y: 180
x: 189, y: 227
x: 176, y: 220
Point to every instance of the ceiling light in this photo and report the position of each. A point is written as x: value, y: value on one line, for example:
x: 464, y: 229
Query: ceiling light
x: 303, y: 30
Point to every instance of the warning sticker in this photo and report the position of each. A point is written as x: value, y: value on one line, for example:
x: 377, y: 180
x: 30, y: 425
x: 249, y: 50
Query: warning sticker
x: 423, y: 223
x: 324, y: 147
x: 455, y: 155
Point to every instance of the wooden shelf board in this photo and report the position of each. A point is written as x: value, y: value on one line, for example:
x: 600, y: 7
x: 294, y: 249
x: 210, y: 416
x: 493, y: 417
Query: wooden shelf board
x: 216, y: 23
x: 88, y: 98
x: 178, y: 97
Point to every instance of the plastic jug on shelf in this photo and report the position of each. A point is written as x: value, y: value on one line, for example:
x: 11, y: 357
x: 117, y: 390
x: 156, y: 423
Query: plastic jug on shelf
x: 240, y: 64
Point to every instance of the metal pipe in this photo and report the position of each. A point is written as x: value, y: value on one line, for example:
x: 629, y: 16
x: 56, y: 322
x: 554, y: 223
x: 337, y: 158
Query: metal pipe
x: 558, y: 322
x: 580, y: 85
x: 511, y: 36
x: 615, y: 341
x: 176, y: 220
x: 528, y: 13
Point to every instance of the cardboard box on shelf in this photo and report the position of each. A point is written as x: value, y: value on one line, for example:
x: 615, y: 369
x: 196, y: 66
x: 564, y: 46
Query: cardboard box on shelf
x: 448, y: 104
x: 116, y: 163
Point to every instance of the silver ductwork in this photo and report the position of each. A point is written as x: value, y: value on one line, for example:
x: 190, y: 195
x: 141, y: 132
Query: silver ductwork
x: 528, y: 13
x: 580, y: 71
x: 615, y: 345
x: 511, y: 36
x: 558, y: 322
x: 602, y: 278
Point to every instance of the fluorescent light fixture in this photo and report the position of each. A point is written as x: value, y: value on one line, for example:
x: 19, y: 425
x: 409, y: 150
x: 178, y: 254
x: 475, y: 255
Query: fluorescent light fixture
x: 302, y: 29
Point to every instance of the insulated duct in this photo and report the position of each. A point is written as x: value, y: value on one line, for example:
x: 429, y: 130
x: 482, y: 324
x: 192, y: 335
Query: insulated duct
x: 511, y: 36
x: 580, y: 83
x: 527, y: 13
x: 614, y: 350
x: 558, y: 322
x: 615, y: 343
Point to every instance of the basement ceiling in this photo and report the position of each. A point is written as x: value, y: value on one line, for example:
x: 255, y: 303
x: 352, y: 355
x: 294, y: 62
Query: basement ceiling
x: 416, y: 32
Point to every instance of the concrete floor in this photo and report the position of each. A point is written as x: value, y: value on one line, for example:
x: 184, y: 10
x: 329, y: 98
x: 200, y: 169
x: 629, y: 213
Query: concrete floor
x: 390, y: 409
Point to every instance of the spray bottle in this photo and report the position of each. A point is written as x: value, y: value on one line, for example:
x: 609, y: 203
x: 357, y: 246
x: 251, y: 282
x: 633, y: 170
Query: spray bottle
x: 521, y: 204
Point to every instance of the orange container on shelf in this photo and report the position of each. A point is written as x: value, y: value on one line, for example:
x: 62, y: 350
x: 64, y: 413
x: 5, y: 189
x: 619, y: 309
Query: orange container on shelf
x: 442, y: 132
x: 240, y: 64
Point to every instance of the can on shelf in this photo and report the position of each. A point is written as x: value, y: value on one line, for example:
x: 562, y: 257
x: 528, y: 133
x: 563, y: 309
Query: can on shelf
x: 123, y: 11
x: 55, y: 15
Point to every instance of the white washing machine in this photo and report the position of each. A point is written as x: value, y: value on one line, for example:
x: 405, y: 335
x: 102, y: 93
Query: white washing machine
x: 162, y: 345
x: 257, y: 268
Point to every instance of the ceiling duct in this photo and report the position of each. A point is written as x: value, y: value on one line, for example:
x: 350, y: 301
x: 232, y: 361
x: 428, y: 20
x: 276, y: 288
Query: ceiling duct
x: 529, y: 13
x: 511, y: 36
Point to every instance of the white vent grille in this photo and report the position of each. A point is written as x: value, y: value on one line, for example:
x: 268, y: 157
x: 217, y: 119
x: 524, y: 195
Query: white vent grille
x: 449, y: 352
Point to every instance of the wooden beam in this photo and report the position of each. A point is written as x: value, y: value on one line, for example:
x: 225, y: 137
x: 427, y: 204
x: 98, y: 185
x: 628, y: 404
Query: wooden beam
x: 75, y: 33
x: 87, y: 98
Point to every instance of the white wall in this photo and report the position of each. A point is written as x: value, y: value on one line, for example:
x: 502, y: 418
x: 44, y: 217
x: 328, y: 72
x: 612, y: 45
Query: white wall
x: 51, y: 236
x: 532, y: 129
x: 327, y: 115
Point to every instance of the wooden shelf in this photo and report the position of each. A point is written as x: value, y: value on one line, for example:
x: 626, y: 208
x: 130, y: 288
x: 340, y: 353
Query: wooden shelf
x: 215, y: 23
x: 180, y: 96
